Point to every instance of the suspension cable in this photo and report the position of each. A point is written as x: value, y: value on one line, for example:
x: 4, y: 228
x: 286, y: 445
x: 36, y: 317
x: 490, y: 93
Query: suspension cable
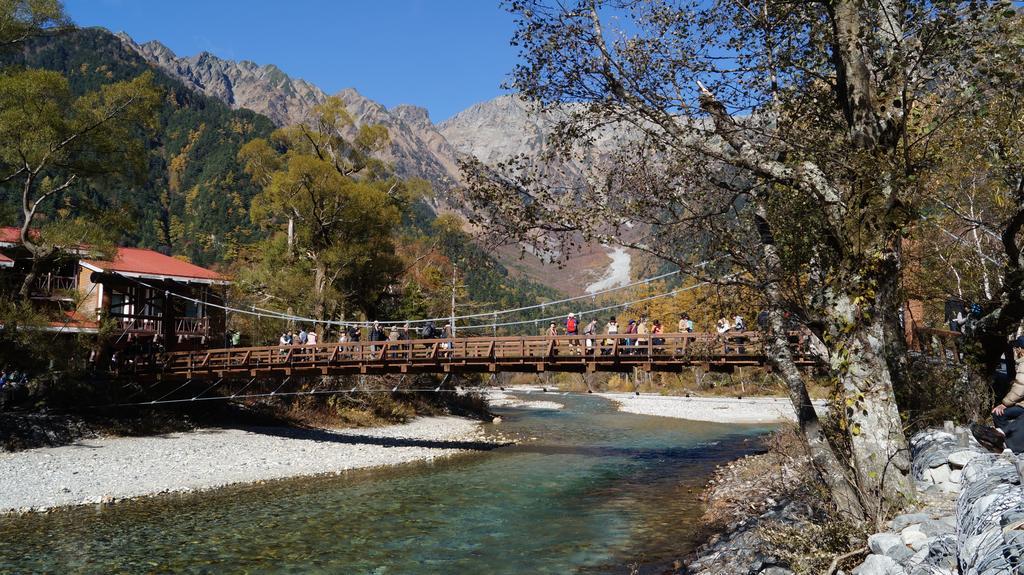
x: 478, y: 326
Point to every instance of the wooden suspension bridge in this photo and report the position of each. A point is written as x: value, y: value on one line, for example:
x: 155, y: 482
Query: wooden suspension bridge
x: 620, y: 353
x: 615, y: 353
x: 671, y: 352
x: 190, y: 371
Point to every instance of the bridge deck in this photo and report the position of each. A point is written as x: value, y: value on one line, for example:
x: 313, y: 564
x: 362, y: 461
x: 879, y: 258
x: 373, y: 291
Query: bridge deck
x: 606, y: 353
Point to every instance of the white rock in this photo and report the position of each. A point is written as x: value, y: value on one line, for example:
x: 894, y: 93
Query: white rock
x: 879, y: 565
x: 914, y: 538
x: 956, y: 476
x: 938, y: 474
x: 918, y: 557
x: 960, y: 459
x: 881, y: 543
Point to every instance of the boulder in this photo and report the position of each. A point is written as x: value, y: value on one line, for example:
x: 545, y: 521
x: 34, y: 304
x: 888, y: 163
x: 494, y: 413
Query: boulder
x: 900, y: 522
x: 879, y: 565
x: 900, y: 554
x: 914, y: 537
x: 938, y: 527
x: 939, y: 474
x: 881, y: 543
x: 960, y: 459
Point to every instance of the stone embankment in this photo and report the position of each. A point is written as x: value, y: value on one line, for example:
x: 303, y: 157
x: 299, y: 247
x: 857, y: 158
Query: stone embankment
x: 968, y: 519
x: 972, y: 522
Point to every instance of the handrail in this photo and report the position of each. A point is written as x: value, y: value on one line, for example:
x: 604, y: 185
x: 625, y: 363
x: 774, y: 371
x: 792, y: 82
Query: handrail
x: 608, y: 352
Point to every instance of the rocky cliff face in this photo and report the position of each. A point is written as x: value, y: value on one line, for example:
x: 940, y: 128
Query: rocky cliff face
x: 507, y: 126
x: 496, y: 130
x: 417, y: 148
x: 244, y: 84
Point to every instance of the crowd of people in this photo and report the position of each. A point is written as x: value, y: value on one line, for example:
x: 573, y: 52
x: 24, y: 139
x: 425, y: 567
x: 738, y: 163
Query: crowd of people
x: 646, y: 331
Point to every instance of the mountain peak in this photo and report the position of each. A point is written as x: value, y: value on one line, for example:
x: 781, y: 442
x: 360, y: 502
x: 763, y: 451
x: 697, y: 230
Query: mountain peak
x: 241, y: 84
x: 413, y: 115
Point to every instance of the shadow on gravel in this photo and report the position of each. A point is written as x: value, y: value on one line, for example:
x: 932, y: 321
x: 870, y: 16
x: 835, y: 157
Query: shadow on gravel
x: 333, y: 437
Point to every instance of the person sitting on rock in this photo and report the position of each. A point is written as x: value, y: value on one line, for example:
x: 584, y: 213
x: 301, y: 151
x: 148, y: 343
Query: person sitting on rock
x: 1009, y: 425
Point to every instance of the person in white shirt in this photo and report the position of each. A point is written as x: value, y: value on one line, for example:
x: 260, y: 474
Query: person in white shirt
x: 723, y: 325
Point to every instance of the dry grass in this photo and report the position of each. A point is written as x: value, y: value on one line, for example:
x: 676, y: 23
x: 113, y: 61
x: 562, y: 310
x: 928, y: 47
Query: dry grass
x: 744, y: 490
x: 747, y: 487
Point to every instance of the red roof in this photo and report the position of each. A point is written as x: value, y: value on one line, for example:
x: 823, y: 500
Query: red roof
x: 10, y: 235
x: 74, y: 322
x: 142, y: 262
x: 5, y: 262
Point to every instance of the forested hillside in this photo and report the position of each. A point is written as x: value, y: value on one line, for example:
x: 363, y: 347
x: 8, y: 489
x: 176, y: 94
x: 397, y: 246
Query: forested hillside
x: 195, y: 199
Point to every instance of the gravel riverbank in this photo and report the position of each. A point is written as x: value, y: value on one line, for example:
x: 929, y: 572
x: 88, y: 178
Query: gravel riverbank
x: 108, y: 469
x: 496, y: 398
x: 712, y: 409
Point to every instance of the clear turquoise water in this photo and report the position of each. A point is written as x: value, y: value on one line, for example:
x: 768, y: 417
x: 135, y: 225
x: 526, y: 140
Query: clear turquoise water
x: 597, y: 492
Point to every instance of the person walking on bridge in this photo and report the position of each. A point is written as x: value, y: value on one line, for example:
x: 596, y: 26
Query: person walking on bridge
x: 590, y: 331
x: 552, y: 333
x: 611, y: 329
x: 376, y: 334
x: 572, y: 327
x: 642, y: 330
x: 446, y: 334
x: 656, y: 339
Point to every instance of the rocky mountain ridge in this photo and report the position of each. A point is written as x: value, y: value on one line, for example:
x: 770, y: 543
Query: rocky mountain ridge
x: 492, y: 131
x: 417, y: 149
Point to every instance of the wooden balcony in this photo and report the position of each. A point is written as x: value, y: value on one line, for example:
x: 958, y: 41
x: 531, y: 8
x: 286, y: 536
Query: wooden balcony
x: 54, y: 287
x: 184, y: 327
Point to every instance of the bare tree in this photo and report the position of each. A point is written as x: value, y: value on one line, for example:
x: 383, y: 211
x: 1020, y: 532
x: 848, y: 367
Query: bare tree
x: 765, y: 144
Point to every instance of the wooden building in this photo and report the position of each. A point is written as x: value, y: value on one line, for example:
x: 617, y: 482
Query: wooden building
x: 146, y: 295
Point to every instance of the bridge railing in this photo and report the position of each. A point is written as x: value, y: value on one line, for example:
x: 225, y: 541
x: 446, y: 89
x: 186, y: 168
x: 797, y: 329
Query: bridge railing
x: 941, y: 344
x: 736, y: 348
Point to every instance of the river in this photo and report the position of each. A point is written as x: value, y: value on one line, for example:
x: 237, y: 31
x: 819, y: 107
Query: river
x: 597, y: 491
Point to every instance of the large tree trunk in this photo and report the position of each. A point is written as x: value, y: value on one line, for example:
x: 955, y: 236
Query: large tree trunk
x: 828, y: 465
x: 39, y: 263
x: 319, y: 290
x: 881, y: 457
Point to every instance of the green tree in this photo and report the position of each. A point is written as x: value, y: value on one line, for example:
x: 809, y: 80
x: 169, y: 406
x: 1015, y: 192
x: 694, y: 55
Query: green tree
x: 970, y: 244
x: 23, y: 19
x: 338, y: 209
x: 771, y: 145
x: 52, y: 142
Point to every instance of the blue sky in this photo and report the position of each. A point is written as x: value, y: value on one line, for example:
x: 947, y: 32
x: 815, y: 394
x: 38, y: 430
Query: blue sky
x: 444, y: 55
